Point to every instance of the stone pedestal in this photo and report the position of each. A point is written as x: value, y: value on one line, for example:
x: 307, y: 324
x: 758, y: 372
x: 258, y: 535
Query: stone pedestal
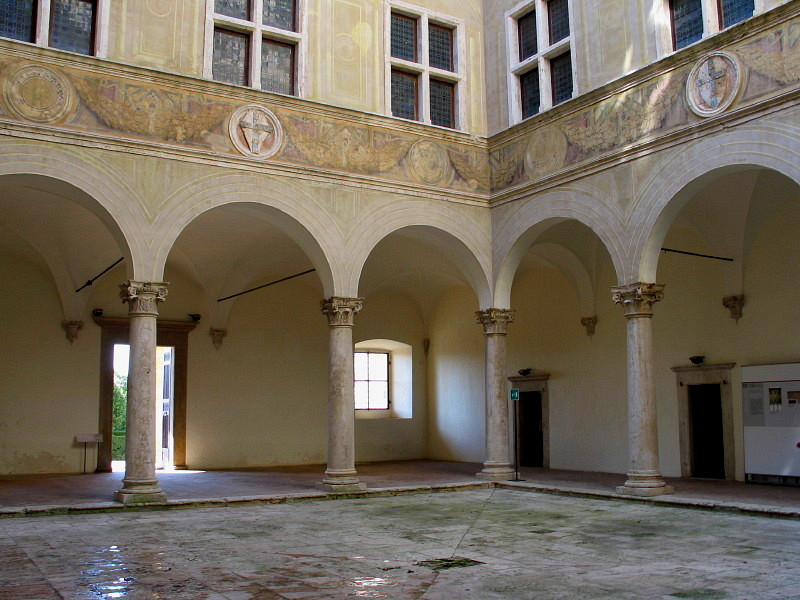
x: 644, y: 476
x: 341, y: 476
x: 498, y: 466
x: 140, y: 486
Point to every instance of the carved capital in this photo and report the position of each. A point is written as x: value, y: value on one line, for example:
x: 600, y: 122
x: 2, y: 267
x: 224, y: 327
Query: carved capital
x: 143, y: 297
x: 216, y: 336
x: 637, y: 299
x: 72, y: 328
x: 494, y: 320
x: 589, y: 323
x: 341, y: 312
x: 734, y: 304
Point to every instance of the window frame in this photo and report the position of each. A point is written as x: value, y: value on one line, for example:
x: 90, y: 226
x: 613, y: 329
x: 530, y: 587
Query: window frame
x: 258, y: 32
x: 388, y: 380
x: 712, y: 23
x: 540, y: 60
x: 422, y: 68
x: 42, y: 20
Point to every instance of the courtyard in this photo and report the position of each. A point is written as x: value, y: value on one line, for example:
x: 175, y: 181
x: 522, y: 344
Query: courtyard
x: 484, y: 544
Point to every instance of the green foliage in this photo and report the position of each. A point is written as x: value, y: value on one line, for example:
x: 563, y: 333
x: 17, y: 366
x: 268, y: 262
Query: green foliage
x: 119, y: 415
x: 118, y: 446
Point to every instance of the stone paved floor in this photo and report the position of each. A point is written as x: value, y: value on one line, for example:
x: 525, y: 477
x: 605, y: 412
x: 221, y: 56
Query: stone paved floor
x: 531, y: 546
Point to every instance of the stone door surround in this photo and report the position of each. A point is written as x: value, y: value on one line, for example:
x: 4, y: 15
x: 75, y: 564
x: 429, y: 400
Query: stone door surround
x: 169, y: 333
x: 537, y: 383
x: 700, y: 375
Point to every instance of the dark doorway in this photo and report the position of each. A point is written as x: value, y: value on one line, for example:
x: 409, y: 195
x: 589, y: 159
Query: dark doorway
x: 705, y: 426
x: 530, y: 436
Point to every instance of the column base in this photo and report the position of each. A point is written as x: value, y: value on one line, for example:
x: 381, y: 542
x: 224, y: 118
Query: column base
x: 496, y: 472
x: 341, y: 481
x: 645, y: 483
x: 140, y: 491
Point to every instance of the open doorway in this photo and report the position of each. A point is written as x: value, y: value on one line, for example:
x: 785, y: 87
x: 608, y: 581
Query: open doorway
x: 164, y: 407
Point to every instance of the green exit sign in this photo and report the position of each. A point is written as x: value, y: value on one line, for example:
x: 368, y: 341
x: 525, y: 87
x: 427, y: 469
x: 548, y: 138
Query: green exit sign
x: 515, y: 394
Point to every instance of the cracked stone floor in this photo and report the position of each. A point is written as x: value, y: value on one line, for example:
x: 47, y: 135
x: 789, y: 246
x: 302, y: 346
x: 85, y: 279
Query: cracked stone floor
x: 527, y: 545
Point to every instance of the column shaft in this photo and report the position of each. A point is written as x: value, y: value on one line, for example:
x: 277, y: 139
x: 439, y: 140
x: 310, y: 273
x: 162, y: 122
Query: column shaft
x: 341, y: 476
x: 498, y: 455
x: 644, y: 476
x: 140, y: 484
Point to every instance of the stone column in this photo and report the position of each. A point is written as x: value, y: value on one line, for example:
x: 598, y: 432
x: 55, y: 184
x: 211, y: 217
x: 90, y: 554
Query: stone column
x: 644, y: 476
x: 498, y: 465
x: 140, y: 484
x: 340, y: 476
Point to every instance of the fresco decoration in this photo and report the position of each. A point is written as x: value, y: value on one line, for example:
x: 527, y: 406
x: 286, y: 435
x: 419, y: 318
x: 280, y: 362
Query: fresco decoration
x: 150, y: 111
x: 472, y: 167
x: 344, y: 146
x: 765, y: 65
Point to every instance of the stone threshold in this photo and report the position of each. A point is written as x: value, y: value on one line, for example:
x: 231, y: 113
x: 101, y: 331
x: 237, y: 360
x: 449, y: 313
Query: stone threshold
x: 184, y: 503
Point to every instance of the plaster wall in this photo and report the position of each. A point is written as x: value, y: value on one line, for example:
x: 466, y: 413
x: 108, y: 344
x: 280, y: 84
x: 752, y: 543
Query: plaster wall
x: 456, y: 407
x: 47, y: 385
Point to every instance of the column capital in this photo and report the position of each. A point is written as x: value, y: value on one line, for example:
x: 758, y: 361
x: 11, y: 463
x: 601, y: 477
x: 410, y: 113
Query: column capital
x: 143, y: 296
x: 494, y: 320
x: 341, y: 312
x: 637, y: 299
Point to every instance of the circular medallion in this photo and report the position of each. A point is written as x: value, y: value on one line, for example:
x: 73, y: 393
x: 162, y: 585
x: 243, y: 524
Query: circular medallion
x: 713, y: 84
x: 38, y: 94
x: 546, y: 152
x: 255, y: 131
x: 429, y: 163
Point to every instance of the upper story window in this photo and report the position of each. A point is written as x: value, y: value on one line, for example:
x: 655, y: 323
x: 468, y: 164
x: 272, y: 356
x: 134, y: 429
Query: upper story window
x: 692, y: 20
x: 541, y: 72
x: 74, y: 25
x: 423, y: 71
x: 256, y: 43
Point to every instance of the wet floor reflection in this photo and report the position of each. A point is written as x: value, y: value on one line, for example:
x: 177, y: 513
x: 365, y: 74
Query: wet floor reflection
x: 109, y: 574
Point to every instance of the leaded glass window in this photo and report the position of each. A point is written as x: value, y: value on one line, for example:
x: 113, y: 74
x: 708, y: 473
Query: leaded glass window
x: 230, y: 56
x: 440, y: 47
x: 239, y: 9
x: 558, y: 16
x: 529, y: 89
x: 561, y: 74
x: 371, y: 370
x: 734, y: 11
x: 277, y: 67
x: 404, y: 37
x: 72, y: 25
x: 442, y: 103
x: 16, y: 20
x: 279, y: 13
x: 687, y: 21
x: 404, y: 95
x: 528, y: 44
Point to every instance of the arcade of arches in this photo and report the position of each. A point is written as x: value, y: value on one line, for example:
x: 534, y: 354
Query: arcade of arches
x: 581, y: 255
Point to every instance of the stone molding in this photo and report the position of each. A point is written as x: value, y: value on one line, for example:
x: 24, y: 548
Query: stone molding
x: 72, y: 328
x: 341, y: 312
x: 494, y: 320
x: 143, y: 297
x: 589, y: 323
x: 637, y: 299
x: 734, y: 304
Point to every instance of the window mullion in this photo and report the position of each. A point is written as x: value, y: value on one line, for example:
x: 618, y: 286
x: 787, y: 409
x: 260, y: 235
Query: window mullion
x: 712, y: 20
x: 256, y: 43
x: 258, y: 12
x: 545, y: 85
x: 43, y: 12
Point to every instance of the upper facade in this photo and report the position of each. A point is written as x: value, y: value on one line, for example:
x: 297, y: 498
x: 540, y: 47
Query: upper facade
x: 468, y: 65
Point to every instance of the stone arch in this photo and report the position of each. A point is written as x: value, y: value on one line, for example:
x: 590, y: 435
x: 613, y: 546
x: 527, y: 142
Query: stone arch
x: 463, y: 240
x: 93, y: 185
x: 297, y: 214
x: 521, y: 226
x: 676, y: 180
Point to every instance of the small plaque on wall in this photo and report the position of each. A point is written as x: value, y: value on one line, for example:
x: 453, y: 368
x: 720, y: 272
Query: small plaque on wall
x: 89, y: 438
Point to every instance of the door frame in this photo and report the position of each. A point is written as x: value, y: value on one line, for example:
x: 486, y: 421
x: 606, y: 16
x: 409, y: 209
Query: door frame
x: 701, y: 375
x: 536, y: 383
x: 115, y: 330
